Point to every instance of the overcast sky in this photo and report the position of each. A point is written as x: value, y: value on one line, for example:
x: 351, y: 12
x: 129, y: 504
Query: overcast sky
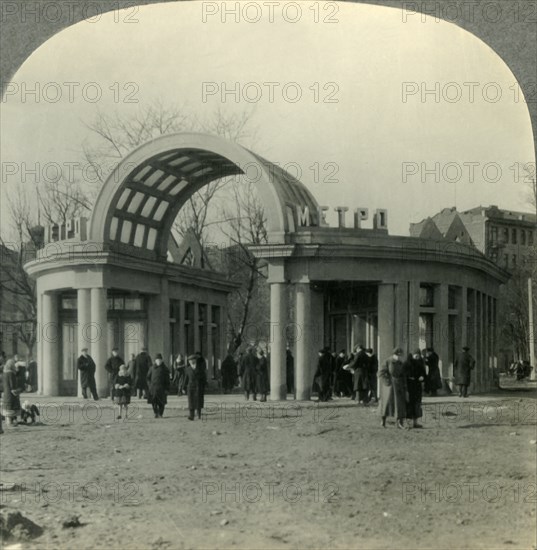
x: 362, y: 139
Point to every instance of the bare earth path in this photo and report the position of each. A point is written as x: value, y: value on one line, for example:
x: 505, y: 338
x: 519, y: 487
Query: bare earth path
x: 275, y: 476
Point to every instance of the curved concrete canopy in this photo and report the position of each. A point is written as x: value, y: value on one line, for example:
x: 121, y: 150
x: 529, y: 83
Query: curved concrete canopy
x: 141, y: 198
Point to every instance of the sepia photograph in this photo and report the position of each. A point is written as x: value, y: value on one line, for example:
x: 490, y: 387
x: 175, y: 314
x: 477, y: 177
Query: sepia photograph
x: 268, y: 274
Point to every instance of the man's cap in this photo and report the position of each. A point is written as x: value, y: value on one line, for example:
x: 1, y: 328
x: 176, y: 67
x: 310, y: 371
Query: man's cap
x: 465, y: 348
x: 115, y: 349
x: 84, y: 349
x: 158, y: 356
x: 397, y: 351
x: 193, y: 357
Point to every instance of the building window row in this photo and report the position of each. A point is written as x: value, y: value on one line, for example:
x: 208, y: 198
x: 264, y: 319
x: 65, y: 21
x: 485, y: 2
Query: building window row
x: 524, y: 237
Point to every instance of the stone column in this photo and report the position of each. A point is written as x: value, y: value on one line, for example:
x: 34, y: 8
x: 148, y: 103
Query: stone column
x: 386, y: 321
x: 401, y: 316
x: 83, y: 311
x: 99, y: 345
x: 278, y: 318
x: 486, y: 353
x: 40, y: 370
x: 50, y: 344
x: 303, y: 361
x: 196, y: 321
x: 463, y: 319
x: 413, y: 331
x: 441, y: 328
x: 209, y: 338
x: 159, y: 322
x: 181, y: 340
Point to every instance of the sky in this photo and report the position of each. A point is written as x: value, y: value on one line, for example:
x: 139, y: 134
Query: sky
x: 349, y: 115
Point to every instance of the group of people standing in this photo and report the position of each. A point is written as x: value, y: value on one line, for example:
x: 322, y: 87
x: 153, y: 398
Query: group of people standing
x: 150, y: 380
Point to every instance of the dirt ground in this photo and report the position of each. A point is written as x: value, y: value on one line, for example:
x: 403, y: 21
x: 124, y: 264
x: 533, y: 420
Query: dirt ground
x: 265, y: 475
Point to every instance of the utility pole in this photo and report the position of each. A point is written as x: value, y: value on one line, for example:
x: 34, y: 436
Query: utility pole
x: 532, y: 357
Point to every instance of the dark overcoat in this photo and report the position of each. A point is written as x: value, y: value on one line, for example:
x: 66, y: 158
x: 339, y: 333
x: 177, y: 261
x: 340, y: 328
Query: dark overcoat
x: 433, y: 381
x: 414, y: 369
x: 158, y: 383
x: 392, y: 385
x: 462, y: 368
x: 261, y: 379
x: 323, y: 373
x: 195, y: 380
x: 248, y: 372
x: 229, y: 372
x: 360, y: 365
x: 11, y: 402
x: 142, y: 364
x: 86, y: 366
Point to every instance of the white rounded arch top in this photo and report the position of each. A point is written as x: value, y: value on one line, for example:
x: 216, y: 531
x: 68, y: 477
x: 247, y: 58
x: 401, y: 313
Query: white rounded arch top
x: 141, y: 198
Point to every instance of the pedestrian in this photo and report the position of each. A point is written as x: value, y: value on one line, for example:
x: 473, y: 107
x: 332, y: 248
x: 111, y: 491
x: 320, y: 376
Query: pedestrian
x: 179, y: 374
x: 262, y: 381
x: 290, y: 371
x: 462, y: 369
x: 248, y: 373
x: 122, y: 389
x: 112, y: 368
x: 415, y: 374
x: 142, y: 364
x: 360, y: 366
x: 229, y: 373
x: 12, y: 391
x: 158, y: 383
x: 339, y: 383
x: 323, y: 374
x: 195, y: 381
x: 86, y: 366
x: 373, y: 375
x: 433, y: 380
x: 393, y: 390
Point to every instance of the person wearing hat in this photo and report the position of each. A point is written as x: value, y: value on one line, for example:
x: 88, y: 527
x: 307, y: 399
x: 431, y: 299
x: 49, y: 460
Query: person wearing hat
x: 86, y: 366
x: 373, y: 375
x: 248, y: 373
x: 462, y: 370
x: 323, y: 374
x: 393, y: 389
x: 415, y: 374
x: 158, y: 382
x: 142, y: 364
x: 112, y: 368
x: 433, y: 382
x: 360, y: 367
x: 195, y: 381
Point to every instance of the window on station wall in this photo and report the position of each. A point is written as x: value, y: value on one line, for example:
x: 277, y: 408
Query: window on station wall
x: 452, y: 297
x: 523, y: 237
x: 493, y: 235
x: 202, y: 313
x: 505, y: 234
x: 125, y: 302
x: 426, y: 295
x: 506, y: 261
x: 189, y: 311
x: 68, y: 302
x: 514, y: 235
x: 530, y: 238
x: 513, y: 262
x: 426, y: 332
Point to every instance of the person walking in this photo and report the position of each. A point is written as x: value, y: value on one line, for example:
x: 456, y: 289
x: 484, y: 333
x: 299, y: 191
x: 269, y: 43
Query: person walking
x: 158, y: 384
x: 12, y: 391
x: 323, y: 374
x: 248, y: 373
x: 462, y: 370
x: 414, y: 368
x: 360, y: 366
x: 262, y: 381
x: 229, y: 373
x: 433, y: 382
x: 290, y: 371
x: 122, y: 388
x: 86, y: 366
x: 112, y: 368
x: 195, y: 382
x: 373, y: 375
x: 142, y: 364
x: 179, y: 374
x: 393, y: 389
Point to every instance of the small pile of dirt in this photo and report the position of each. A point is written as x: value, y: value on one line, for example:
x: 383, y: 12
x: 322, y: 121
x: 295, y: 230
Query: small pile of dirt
x: 15, y: 526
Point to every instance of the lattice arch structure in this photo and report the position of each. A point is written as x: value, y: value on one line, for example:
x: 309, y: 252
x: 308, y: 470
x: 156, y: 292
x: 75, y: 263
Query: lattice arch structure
x: 141, y: 198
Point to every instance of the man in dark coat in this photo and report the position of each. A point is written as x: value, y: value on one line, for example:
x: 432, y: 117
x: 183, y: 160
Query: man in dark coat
x: 262, y: 380
x: 248, y: 373
x: 158, y: 383
x: 414, y: 368
x: 323, y: 374
x: 142, y: 364
x: 433, y: 382
x: 341, y: 386
x: 229, y: 373
x: 462, y: 370
x: 86, y: 366
x: 11, y: 392
x: 373, y: 373
x: 112, y: 368
x: 290, y: 371
x: 195, y: 379
x: 360, y: 366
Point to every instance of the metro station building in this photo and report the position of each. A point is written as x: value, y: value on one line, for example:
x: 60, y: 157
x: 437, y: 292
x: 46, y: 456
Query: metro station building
x: 119, y: 281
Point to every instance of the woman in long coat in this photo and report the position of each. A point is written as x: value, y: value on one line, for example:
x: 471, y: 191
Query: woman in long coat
x: 248, y: 373
x: 462, y: 370
x: 393, y: 389
x: 179, y: 374
x: 158, y: 381
x: 195, y: 381
x: 415, y: 375
x: 11, y: 392
x: 262, y: 381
